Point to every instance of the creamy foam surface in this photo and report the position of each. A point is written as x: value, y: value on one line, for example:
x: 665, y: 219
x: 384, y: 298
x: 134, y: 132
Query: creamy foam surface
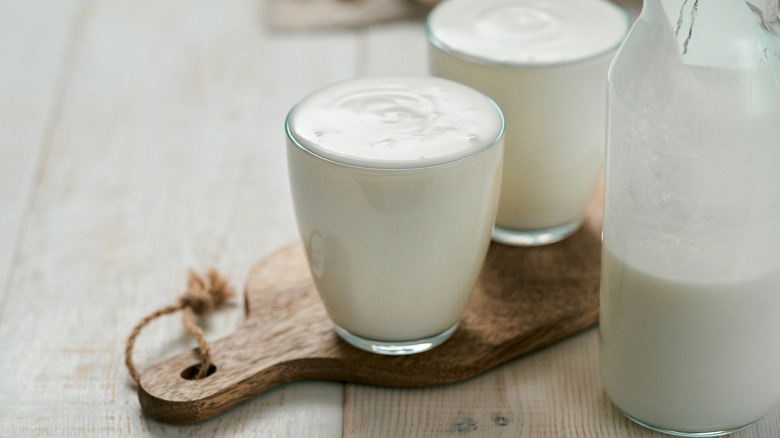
x: 527, y: 32
x: 395, y: 122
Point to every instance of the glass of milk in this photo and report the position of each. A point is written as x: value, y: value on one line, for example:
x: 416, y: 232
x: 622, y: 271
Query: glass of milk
x: 545, y: 63
x: 395, y: 182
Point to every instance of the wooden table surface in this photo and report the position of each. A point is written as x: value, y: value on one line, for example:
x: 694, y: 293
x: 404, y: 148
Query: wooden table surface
x: 140, y: 138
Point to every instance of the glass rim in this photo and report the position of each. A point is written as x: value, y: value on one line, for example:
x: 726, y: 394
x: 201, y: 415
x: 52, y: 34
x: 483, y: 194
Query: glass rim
x: 411, y: 168
x: 437, y: 43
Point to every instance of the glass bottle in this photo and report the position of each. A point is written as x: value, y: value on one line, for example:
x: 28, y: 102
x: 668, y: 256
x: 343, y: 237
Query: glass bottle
x: 690, y: 294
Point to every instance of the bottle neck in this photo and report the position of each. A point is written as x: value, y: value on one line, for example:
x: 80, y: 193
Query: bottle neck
x: 716, y: 33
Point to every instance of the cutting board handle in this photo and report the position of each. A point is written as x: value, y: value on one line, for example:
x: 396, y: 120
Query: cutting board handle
x: 246, y: 363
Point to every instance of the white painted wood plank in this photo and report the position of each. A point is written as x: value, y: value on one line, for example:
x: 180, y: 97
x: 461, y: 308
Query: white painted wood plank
x: 34, y: 38
x: 398, y: 48
x: 555, y: 392
x: 168, y: 153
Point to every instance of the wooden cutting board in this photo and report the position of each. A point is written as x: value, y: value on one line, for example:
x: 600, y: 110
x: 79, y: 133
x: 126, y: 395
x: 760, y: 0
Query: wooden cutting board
x: 526, y: 298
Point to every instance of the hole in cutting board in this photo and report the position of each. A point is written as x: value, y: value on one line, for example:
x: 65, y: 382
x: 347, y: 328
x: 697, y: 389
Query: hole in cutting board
x: 189, y: 373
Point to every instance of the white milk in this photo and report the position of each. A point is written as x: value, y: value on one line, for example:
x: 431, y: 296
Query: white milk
x: 545, y: 63
x: 395, y: 182
x: 693, y: 357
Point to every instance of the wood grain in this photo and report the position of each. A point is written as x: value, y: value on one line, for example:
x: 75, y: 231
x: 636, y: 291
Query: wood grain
x: 526, y: 298
x: 555, y: 392
x: 168, y: 153
x: 394, y: 49
x: 37, y: 39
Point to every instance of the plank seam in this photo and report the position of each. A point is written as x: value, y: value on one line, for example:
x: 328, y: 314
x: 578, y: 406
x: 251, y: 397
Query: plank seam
x: 67, y: 64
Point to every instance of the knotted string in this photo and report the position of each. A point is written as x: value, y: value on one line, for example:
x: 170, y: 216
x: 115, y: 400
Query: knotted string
x: 204, y: 294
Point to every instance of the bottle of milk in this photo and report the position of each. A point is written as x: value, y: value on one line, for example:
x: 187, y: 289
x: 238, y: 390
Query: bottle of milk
x: 690, y: 294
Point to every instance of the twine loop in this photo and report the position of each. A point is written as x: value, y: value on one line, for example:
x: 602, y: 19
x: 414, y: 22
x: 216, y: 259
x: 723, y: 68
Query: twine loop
x: 204, y: 294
